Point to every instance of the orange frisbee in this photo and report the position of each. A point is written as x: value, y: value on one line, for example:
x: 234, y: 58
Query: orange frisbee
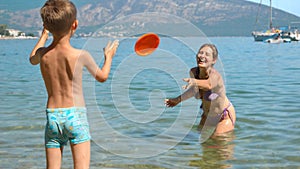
x: 146, y: 44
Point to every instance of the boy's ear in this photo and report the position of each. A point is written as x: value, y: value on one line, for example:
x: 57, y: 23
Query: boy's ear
x: 74, y: 25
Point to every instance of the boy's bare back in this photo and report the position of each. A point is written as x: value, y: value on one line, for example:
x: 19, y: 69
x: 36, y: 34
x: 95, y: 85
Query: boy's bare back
x: 62, y: 65
x: 61, y: 68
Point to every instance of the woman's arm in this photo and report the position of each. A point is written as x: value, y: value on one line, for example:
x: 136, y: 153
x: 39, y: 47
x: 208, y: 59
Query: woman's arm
x: 171, y: 102
x: 204, y: 84
x: 212, y: 82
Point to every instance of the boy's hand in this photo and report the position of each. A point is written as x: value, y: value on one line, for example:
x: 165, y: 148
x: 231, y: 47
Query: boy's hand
x: 45, y: 33
x: 110, y: 49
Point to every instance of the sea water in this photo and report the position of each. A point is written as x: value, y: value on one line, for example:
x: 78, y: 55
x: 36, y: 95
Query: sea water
x: 130, y: 126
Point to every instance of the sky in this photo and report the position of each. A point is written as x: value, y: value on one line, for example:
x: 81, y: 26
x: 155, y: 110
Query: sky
x: 291, y: 6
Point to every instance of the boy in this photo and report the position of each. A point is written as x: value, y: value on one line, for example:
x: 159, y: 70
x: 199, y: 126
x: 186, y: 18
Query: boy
x: 61, y: 67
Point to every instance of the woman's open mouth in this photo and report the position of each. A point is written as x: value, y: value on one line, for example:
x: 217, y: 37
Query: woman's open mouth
x: 201, y: 60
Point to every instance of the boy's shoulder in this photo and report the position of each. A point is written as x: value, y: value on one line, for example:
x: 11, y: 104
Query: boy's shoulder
x: 70, y: 49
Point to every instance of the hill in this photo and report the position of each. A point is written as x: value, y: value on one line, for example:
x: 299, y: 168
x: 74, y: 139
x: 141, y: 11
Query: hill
x: 213, y: 17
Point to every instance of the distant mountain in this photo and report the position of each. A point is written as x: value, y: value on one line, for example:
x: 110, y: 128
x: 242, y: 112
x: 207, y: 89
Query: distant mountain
x: 213, y: 17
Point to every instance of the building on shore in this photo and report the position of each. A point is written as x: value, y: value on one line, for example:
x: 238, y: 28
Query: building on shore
x: 15, y: 33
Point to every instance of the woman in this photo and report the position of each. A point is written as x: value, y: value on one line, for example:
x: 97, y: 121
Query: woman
x: 206, y: 84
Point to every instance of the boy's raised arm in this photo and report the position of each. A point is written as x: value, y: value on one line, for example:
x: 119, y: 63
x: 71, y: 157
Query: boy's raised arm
x: 101, y: 75
x: 109, y: 52
x: 36, y: 54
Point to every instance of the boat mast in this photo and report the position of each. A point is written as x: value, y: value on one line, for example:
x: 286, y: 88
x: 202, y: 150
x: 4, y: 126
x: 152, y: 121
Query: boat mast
x: 271, y: 24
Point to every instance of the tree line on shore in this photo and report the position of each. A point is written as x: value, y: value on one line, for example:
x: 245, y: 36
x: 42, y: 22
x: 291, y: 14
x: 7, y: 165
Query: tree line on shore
x: 4, y: 31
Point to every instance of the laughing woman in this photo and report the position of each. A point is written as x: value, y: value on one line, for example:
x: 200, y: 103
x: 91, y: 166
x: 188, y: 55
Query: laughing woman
x: 207, y: 84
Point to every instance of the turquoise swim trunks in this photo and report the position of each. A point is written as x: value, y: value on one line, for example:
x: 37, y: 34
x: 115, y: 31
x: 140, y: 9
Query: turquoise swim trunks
x: 64, y: 124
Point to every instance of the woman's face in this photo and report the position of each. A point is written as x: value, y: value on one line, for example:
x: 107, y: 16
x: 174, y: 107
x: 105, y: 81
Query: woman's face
x: 205, y: 58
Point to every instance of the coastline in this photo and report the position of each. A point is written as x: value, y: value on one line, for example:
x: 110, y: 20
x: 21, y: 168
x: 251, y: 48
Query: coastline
x: 18, y: 37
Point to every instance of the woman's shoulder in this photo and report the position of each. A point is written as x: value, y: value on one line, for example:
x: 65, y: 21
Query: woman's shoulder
x: 194, y: 70
x: 215, y: 72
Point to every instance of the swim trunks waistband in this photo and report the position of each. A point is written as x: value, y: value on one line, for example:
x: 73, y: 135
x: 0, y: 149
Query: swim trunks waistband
x: 56, y: 110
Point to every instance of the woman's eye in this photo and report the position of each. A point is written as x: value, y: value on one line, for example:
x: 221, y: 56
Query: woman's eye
x: 208, y: 54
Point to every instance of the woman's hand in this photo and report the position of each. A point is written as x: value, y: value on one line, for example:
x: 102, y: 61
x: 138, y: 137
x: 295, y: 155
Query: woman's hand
x: 191, y: 83
x: 172, y: 101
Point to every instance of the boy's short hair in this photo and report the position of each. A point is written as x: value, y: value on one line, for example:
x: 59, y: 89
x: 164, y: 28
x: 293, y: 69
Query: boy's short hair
x: 58, y: 16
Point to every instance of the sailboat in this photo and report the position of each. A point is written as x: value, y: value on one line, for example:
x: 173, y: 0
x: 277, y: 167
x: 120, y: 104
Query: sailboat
x: 272, y: 35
